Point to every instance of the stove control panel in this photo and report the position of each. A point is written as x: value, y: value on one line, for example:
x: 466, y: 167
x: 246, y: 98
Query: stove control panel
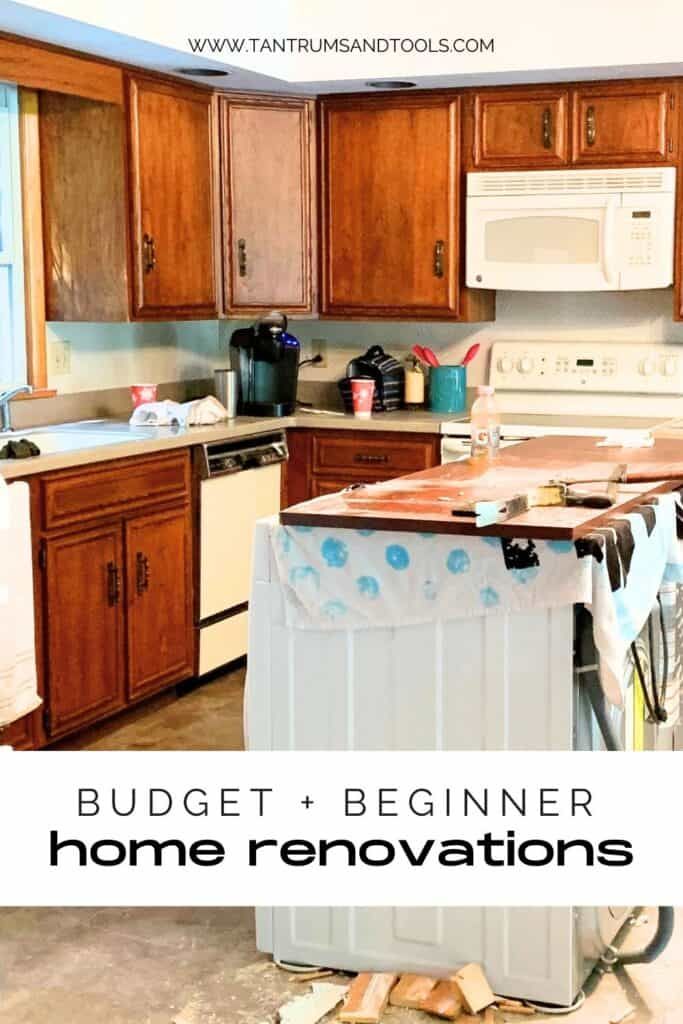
x: 599, y: 367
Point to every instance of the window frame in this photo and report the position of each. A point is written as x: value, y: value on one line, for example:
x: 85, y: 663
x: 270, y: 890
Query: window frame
x: 11, y: 234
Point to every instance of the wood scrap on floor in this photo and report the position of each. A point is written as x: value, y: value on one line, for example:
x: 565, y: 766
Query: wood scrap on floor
x: 367, y: 998
x: 518, y: 1009
x: 489, y: 1016
x: 312, y: 1006
x: 474, y: 988
x: 412, y: 990
x: 623, y: 1017
x: 444, y: 1001
x: 303, y: 979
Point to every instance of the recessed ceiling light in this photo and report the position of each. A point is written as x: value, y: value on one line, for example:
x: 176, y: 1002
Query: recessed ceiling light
x: 390, y: 84
x: 203, y: 72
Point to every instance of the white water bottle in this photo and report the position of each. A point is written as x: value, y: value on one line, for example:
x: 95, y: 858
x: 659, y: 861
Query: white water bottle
x: 485, y: 424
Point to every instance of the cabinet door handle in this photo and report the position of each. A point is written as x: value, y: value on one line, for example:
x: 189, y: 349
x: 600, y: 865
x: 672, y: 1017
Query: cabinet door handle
x: 113, y: 584
x: 367, y: 458
x: 141, y: 573
x: 547, y: 128
x: 242, y: 256
x: 438, y: 258
x: 149, y: 253
x: 591, y: 129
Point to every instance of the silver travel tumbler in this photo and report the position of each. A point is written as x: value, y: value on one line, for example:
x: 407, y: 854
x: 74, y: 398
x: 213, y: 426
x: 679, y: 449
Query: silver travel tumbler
x: 226, y: 390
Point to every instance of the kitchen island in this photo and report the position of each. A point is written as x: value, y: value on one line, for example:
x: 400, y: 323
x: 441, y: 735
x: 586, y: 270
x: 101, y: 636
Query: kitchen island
x: 397, y: 597
x: 380, y: 621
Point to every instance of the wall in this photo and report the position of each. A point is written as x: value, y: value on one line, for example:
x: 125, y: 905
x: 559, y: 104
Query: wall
x: 616, y: 316
x: 116, y: 355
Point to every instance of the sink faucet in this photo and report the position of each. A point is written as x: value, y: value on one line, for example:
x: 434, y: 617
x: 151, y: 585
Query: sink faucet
x: 5, y: 399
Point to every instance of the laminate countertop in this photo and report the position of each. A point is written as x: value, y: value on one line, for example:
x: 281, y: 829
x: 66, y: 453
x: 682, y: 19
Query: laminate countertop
x: 64, y: 445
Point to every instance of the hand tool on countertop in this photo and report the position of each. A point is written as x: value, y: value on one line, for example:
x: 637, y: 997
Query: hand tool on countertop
x: 552, y: 494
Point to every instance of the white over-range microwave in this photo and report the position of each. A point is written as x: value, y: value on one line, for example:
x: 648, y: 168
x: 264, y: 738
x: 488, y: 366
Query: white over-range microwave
x: 571, y: 231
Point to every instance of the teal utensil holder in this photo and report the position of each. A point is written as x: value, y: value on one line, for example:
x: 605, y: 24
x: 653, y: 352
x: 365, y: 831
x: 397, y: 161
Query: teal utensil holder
x: 448, y: 388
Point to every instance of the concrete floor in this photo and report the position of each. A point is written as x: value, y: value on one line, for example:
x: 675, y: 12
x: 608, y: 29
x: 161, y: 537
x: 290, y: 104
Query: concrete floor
x: 199, y: 966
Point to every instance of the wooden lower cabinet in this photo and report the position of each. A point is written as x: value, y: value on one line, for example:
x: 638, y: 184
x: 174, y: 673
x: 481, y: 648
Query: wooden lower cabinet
x: 19, y: 734
x: 159, y: 600
x: 326, y: 461
x: 115, y: 586
x: 84, y: 622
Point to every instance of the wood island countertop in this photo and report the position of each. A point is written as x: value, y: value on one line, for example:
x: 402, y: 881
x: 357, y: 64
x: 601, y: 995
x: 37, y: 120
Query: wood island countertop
x: 423, y: 501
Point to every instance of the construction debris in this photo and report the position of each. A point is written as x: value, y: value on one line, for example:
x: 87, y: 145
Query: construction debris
x: 624, y: 1016
x: 412, y: 990
x: 444, y: 1001
x: 367, y: 998
x: 312, y: 1006
x: 489, y: 1016
x: 302, y: 979
x: 474, y: 988
x: 517, y: 1008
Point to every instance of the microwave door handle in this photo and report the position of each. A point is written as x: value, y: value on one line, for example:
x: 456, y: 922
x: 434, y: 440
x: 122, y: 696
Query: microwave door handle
x: 609, y: 242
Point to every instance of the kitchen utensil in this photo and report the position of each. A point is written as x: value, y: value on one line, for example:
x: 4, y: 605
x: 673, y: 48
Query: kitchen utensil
x: 554, y: 493
x: 362, y: 391
x: 448, y: 389
x: 266, y: 358
x: 226, y: 390
x: 141, y: 393
x: 425, y: 355
x: 471, y: 353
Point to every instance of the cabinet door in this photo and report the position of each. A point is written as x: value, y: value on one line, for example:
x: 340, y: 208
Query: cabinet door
x: 390, y: 207
x: 623, y: 124
x: 159, y: 599
x: 84, y: 624
x: 172, y: 146
x: 520, y: 129
x: 266, y: 188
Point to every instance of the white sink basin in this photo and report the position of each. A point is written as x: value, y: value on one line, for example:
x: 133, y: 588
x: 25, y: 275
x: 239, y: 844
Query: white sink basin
x: 69, y: 437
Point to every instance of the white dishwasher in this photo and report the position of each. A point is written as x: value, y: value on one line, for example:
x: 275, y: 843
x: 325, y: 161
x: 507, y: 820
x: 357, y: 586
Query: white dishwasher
x: 239, y: 484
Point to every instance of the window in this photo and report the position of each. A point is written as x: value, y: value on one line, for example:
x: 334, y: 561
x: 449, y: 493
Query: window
x: 12, y: 321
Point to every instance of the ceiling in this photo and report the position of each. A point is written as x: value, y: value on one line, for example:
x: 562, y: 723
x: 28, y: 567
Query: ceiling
x: 533, y: 40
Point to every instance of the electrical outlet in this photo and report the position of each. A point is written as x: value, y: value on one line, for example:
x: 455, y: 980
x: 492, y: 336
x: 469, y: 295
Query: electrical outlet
x: 61, y: 357
x: 319, y: 348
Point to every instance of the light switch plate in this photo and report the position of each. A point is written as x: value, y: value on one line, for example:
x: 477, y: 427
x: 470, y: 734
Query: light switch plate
x: 60, y: 352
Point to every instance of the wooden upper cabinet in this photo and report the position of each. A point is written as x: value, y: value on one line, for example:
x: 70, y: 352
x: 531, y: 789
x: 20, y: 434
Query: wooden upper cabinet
x: 159, y: 598
x: 624, y: 123
x: 173, y: 184
x: 267, y: 203
x: 509, y: 129
x: 390, y: 206
x: 82, y: 184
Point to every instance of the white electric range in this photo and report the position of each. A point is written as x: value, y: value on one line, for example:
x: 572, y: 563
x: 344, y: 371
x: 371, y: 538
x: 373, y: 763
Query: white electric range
x: 574, y: 388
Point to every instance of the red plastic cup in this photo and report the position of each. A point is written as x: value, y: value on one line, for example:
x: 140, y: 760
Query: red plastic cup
x: 362, y: 393
x: 141, y: 393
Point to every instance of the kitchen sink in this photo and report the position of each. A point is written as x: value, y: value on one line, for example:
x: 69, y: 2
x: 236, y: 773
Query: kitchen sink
x: 69, y: 437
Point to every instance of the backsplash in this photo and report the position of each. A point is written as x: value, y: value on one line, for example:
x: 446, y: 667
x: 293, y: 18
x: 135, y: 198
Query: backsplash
x: 553, y: 316
x: 105, y: 356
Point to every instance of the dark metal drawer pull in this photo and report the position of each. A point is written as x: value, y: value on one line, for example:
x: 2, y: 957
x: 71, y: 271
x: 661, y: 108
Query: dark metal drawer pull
x: 547, y: 128
x: 362, y: 457
x: 591, y: 128
x: 438, y: 258
x: 242, y: 257
x: 141, y: 573
x: 113, y: 583
x: 149, y: 253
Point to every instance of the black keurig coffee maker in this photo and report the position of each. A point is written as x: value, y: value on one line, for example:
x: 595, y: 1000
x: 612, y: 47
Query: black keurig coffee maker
x: 266, y: 358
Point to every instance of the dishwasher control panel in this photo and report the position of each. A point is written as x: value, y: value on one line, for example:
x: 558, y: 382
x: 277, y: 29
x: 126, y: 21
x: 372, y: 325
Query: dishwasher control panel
x: 222, y: 457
